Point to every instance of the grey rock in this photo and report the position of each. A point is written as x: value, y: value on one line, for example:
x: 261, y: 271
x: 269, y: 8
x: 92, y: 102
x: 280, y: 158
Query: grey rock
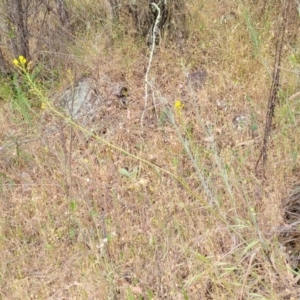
x: 83, y: 100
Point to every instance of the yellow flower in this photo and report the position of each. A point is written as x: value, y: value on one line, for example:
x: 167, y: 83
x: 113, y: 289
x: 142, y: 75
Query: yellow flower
x: 15, y: 62
x: 22, y: 60
x: 178, y: 105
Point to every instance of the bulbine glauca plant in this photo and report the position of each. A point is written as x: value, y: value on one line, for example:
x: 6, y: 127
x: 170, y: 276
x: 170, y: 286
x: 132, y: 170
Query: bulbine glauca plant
x: 178, y: 107
x: 28, y: 88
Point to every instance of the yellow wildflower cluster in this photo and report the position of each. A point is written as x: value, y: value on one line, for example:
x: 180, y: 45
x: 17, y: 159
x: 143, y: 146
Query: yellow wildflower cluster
x: 178, y: 106
x: 21, y: 62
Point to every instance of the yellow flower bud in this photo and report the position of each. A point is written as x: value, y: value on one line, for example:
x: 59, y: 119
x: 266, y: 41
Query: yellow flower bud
x: 22, y: 60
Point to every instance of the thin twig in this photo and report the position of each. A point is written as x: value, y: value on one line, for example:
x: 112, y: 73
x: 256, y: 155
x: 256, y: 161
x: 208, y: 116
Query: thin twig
x: 154, y: 33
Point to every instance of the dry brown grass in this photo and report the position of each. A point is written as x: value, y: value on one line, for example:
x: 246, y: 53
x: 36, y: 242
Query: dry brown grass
x: 74, y: 227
